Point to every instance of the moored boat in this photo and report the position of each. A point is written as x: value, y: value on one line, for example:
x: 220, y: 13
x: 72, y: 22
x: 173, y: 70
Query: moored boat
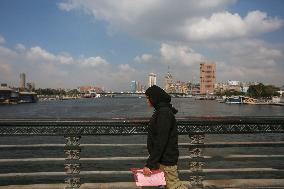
x: 234, y: 100
x: 248, y: 100
x: 8, y: 96
x: 28, y: 97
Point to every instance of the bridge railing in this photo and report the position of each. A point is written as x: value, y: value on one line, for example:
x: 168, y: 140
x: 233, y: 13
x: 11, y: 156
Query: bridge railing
x: 199, y: 164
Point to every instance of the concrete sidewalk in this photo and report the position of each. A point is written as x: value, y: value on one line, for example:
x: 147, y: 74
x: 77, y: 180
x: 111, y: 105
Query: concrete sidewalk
x: 114, y: 185
x: 208, y: 184
x: 122, y: 185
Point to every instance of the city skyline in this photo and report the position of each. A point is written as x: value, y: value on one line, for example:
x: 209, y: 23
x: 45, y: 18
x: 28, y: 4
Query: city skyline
x: 170, y: 84
x: 110, y: 43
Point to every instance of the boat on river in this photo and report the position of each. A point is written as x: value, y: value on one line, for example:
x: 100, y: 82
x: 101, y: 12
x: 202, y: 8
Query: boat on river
x: 27, y: 97
x: 8, y: 96
x: 249, y: 100
x: 235, y: 100
x: 11, y: 96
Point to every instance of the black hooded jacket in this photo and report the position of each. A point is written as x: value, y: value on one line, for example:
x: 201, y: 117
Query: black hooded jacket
x: 162, y: 138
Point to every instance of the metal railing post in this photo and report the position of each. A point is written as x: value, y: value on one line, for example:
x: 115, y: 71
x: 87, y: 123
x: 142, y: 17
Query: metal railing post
x: 196, y: 160
x: 72, y: 164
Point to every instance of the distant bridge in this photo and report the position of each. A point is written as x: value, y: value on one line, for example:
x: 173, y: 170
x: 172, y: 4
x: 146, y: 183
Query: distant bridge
x: 135, y: 94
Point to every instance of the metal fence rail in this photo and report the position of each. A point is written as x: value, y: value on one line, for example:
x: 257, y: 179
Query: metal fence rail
x: 195, y: 127
x: 190, y: 125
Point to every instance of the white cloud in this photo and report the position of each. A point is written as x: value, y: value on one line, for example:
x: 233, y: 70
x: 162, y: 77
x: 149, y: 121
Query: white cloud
x: 206, y: 4
x: 168, y: 20
x: 6, y: 52
x: 123, y: 75
x: 2, y: 40
x: 182, y: 60
x: 5, y: 72
x: 143, y: 58
x: 249, y: 52
x: 226, y: 25
x: 244, y: 60
x: 176, y: 55
x: 64, y: 58
x: 20, y: 47
x: 38, y: 54
x: 259, y: 22
x: 179, y: 54
x: 94, y: 61
x: 238, y: 59
x: 48, y: 69
x: 249, y: 59
x: 4, y: 68
x: 125, y: 68
x: 155, y: 19
x: 68, y: 6
x: 173, y: 54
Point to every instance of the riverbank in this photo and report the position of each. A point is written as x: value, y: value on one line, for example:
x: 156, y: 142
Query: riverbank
x: 278, y: 101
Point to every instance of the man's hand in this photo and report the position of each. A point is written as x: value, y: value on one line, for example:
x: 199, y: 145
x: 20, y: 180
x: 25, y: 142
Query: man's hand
x: 146, y: 171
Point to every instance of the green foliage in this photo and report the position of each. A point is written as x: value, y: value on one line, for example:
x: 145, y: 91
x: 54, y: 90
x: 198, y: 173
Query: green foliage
x: 230, y: 93
x: 260, y: 91
x: 57, y: 92
x: 73, y: 92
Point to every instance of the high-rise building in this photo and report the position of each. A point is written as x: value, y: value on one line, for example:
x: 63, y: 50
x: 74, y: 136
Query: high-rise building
x: 152, y: 79
x: 133, y: 86
x: 169, y: 84
x: 22, y: 81
x: 207, y: 77
x: 140, y: 87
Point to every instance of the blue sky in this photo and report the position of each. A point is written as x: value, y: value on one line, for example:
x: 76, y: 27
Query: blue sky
x: 42, y: 23
x: 111, y: 42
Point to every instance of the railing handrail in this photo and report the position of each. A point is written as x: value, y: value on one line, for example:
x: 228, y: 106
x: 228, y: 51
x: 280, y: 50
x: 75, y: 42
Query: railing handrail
x: 188, y: 125
x: 114, y: 119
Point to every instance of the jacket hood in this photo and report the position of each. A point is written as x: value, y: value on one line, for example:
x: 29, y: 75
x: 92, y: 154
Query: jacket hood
x: 158, y: 96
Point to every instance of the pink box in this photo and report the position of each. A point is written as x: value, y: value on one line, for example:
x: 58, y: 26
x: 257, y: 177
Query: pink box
x: 157, y: 178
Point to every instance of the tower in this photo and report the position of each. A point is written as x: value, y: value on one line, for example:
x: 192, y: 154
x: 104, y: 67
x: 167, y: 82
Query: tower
x: 133, y: 86
x: 169, y: 84
x: 152, y: 79
x: 207, y: 77
x: 22, y: 81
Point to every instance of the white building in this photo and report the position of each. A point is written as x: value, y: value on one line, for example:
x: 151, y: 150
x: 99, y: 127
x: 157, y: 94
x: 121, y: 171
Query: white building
x: 22, y: 81
x: 233, y: 83
x: 281, y: 91
x: 244, y: 89
x: 152, y: 79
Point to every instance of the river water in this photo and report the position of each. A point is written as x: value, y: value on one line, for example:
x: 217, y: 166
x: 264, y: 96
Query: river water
x: 131, y: 107
x: 108, y: 108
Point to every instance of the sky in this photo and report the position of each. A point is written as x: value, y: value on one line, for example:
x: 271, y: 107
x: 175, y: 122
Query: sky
x: 109, y: 43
